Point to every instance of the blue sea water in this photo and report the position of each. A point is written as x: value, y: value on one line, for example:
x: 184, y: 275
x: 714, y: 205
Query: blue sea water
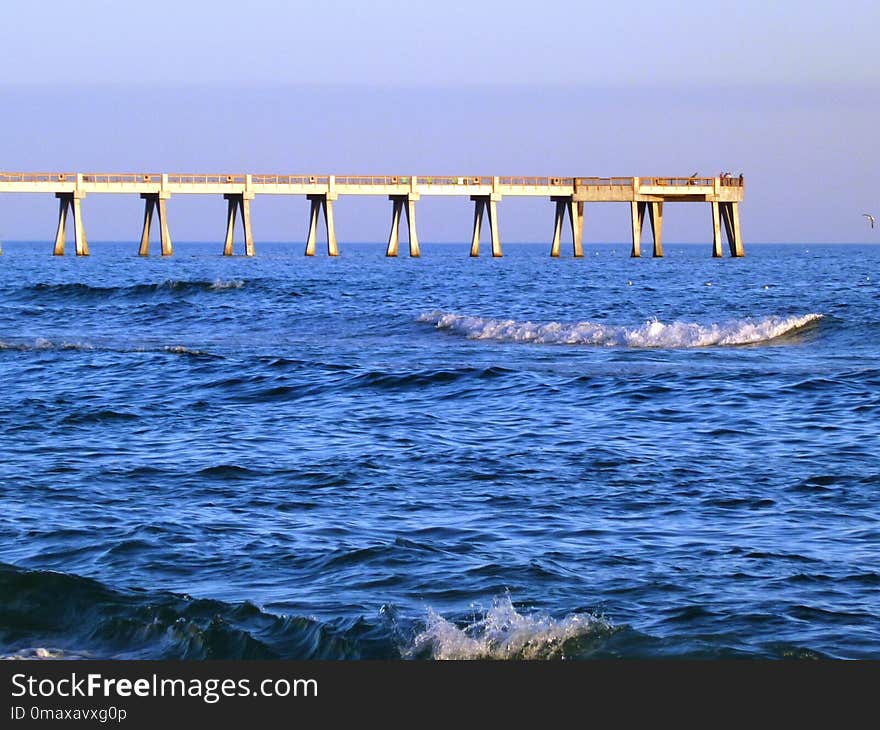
x: 207, y: 457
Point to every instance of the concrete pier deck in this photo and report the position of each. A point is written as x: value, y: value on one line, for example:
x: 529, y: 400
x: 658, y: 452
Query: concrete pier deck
x: 570, y: 194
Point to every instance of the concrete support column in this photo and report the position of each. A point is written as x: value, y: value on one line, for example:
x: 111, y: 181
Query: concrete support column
x: 245, y: 206
x: 79, y: 231
x: 237, y: 202
x: 716, y: 231
x: 327, y: 207
x: 406, y: 205
x: 149, y: 204
x: 479, y: 207
x: 164, y: 233
x: 576, y: 220
x: 315, y: 201
x: 730, y: 218
x: 655, y: 213
x: 157, y: 202
x: 488, y: 205
x: 575, y: 211
x: 394, y: 235
x: 63, y: 203
x: 231, y: 210
x: 409, y: 209
x: 557, y: 227
x: 73, y: 202
x: 637, y: 211
x: 493, y: 226
x: 322, y: 203
x: 737, y: 249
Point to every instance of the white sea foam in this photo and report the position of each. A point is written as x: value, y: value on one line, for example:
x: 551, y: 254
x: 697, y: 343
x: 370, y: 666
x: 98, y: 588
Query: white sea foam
x: 503, y: 633
x: 42, y: 653
x: 652, y: 333
x: 229, y: 284
x: 41, y: 343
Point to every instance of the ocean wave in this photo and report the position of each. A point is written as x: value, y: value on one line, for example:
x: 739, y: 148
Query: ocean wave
x: 175, y: 286
x: 504, y: 633
x: 181, y: 350
x: 41, y: 343
x: 653, y: 333
x: 44, y: 344
x: 51, y: 615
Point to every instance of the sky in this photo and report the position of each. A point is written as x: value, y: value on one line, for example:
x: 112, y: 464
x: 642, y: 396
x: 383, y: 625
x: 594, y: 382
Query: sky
x: 788, y: 93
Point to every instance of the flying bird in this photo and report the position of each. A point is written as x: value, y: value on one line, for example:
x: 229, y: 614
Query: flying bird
x: 870, y: 218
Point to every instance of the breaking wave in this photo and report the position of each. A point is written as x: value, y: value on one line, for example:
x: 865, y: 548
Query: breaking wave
x: 504, y: 633
x: 652, y: 333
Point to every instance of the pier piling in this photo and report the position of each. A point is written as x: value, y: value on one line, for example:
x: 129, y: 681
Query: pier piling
x: 637, y: 212
x: 488, y: 205
x: 730, y: 217
x: 71, y: 202
x: 322, y: 204
x: 240, y: 202
x: 655, y: 213
x: 405, y: 204
x: 717, y: 251
x: 737, y: 249
x: 155, y: 202
x: 565, y: 205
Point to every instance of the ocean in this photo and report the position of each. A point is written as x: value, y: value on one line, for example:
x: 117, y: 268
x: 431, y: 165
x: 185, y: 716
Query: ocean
x: 445, y: 457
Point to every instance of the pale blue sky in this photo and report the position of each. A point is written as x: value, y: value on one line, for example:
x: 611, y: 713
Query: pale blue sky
x: 428, y: 42
x: 785, y: 92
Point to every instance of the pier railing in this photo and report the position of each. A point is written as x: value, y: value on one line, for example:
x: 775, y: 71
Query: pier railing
x: 603, y: 182
x: 677, y: 181
x: 290, y: 179
x: 454, y: 180
x: 124, y: 178
x: 207, y: 179
x: 37, y: 177
x: 366, y: 180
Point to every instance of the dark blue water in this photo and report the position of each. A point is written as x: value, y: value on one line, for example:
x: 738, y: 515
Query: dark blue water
x: 288, y: 457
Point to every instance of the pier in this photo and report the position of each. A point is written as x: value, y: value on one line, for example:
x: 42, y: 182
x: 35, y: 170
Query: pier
x: 570, y: 195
